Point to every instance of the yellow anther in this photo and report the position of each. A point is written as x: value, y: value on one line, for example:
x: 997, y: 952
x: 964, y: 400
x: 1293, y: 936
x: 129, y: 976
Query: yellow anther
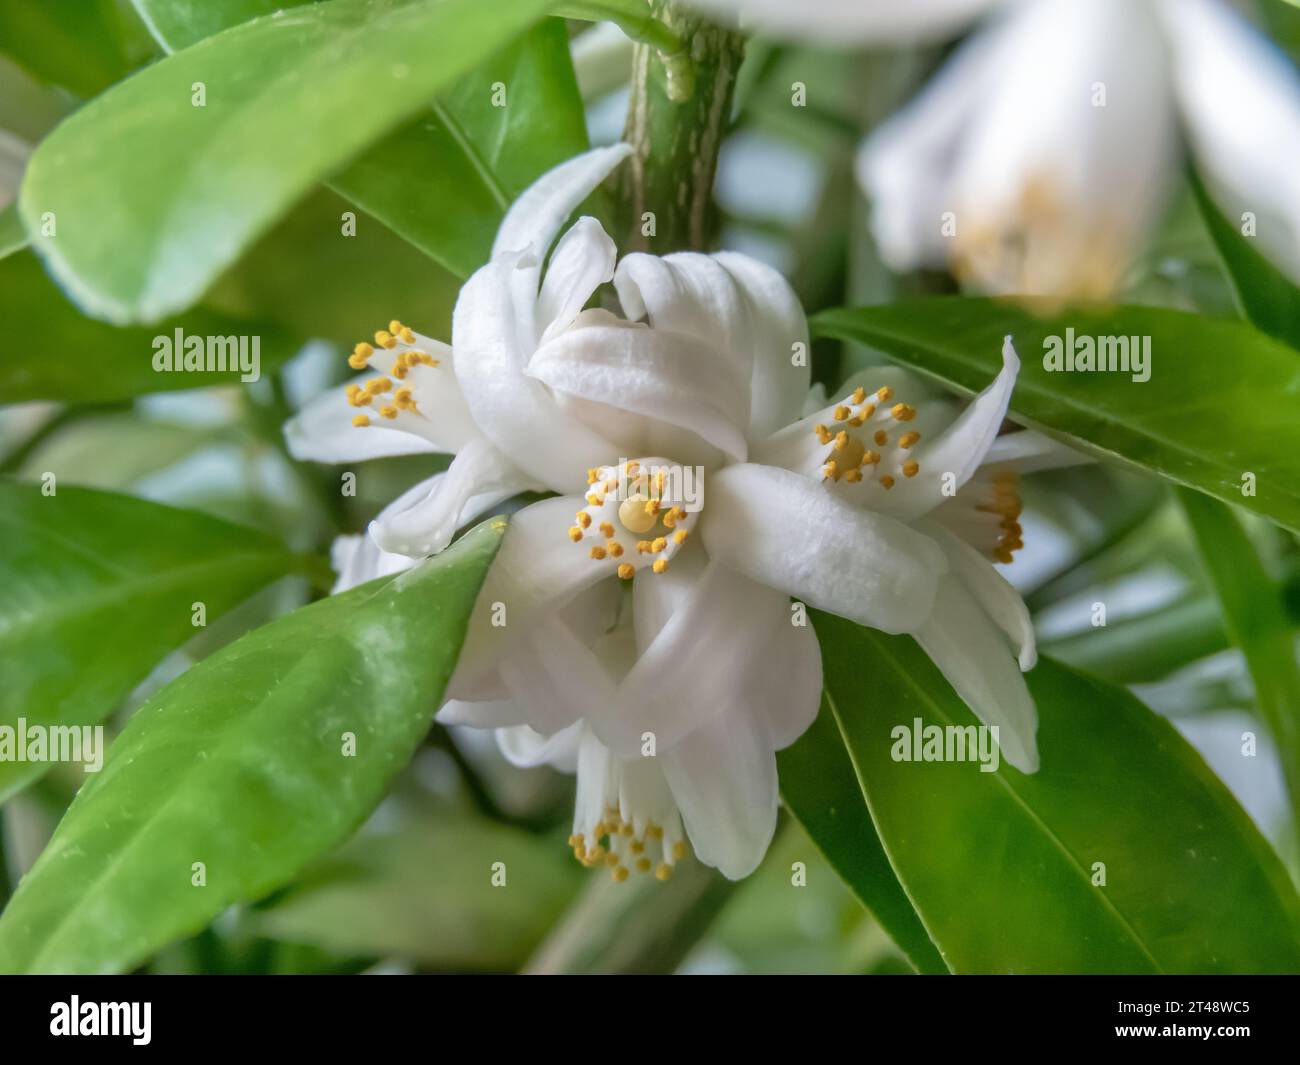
x: 361, y: 421
x: 615, y: 549
x: 407, y: 336
x: 595, y: 854
x: 841, y: 438
x: 633, y: 516
x: 637, y: 846
x: 363, y: 349
x: 643, y: 547
x: 593, y: 475
x: 881, y: 438
x: 574, y: 840
x: 911, y: 468
x: 627, y: 571
x: 908, y: 439
x: 358, y: 361
x: 611, y: 859
x: 394, y: 326
x: 584, y: 519
x: 652, y: 507
x: 385, y: 339
x: 606, y: 529
x: 660, y: 565
x: 887, y: 481
x: 620, y: 873
x: 643, y: 865
x: 664, y: 871
x: 842, y: 413
x: 885, y: 394
x: 377, y: 385
x: 870, y: 458
x: 679, y: 850
x: 904, y: 412
x: 575, y: 534
x: 360, y: 398
x: 853, y: 476
x: 597, y: 552
x: 595, y: 499
x: 403, y: 398
x: 831, y: 470
x: 823, y: 434
x: 399, y: 370
x: 859, y: 394
x: 658, y: 544
x: 655, y: 831
x: 388, y: 412
x: 625, y: 828
x: 679, y: 537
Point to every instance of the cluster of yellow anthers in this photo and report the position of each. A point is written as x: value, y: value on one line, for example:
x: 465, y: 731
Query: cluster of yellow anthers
x: 378, y: 387
x: 1005, y: 503
x: 624, y: 850
x: 850, y: 454
x: 639, y: 529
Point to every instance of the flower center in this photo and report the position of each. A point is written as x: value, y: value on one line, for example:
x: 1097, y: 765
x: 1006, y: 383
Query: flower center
x: 380, y: 394
x: 619, y: 845
x: 861, y: 443
x: 637, y: 513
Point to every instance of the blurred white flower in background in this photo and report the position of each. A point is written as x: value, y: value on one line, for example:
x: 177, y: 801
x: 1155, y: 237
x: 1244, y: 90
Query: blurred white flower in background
x: 1039, y: 157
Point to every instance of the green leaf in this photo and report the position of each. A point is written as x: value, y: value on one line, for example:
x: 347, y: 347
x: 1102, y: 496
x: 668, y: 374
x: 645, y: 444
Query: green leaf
x: 1266, y: 297
x: 83, y: 46
x: 820, y: 787
x: 1002, y: 866
x: 177, y: 24
x: 13, y: 237
x: 242, y: 764
x: 95, y: 588
x: 444, y: 181
x: 1220, y: 402
x: 49, y: 350
x: 1256, y: 619
x: 374, y: 898
x: 289, y: 99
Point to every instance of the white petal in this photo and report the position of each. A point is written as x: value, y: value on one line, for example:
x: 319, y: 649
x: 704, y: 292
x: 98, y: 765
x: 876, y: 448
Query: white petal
x: 995, y: 593
x: 357, y: 559
x: 974, y: 657
x: 670, y: 377
x: 789, y: 532
x: 1240, y: 98
x: 583, y: 260
x: 525, y: 747
x: 518, y: 413
x: 1028, y: 451
x: 557, y: 679
x: 723, y: 778
x: 949, y: 458
x: 486, y: 713
x: 479, y: 474
x: 851, y: 22
x: 537, y: 570
x: 323, y: 432
x: 777, y: 327
x: 687, y: 292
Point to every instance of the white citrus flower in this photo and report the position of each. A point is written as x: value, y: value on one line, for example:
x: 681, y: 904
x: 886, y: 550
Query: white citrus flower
x: 1050, y: 189
x: 671, y: 708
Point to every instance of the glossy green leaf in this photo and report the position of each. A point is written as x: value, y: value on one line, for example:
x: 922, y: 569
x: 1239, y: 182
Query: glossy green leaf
x: 1220, y: 402
x: 1256, y: 621
x: 445, y: 180
x: 1265, y: 296
x: 243, y: 764
x: 289, y: 98
x: 1002, y: 867
x: 50, y: 350
x: 95, y: 588
x: 375, y: 897
x: 820, y: 787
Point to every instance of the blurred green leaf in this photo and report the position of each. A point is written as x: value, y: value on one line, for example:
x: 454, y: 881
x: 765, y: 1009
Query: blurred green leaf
x: 84, y: 46
x: 820, y: 787
x: 13, y: 237
x: 1002, y: 866
x: 50, y: 350
x: 288, y: 99
x: 424, y: 891
x: 242, y: 764
x: 177, y: 24
x: 1266, y: 297
x: 96, y: 588
x: 1256, y: 621
x: 1175, y: 424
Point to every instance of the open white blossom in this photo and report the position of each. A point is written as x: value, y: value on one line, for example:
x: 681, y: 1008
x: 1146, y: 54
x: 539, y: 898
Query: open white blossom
x: 687, y: 473
x: 1039, y: 157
